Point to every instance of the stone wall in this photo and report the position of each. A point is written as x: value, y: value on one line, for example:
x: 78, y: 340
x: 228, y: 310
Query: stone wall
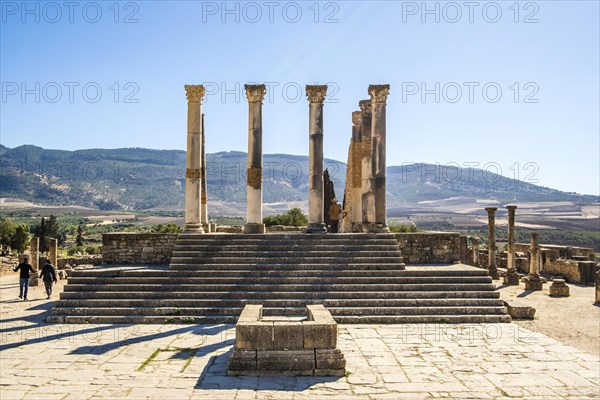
x: 573, y: 271
x: 430, y: 247
x: 137, y: 248
x: 554, y: 252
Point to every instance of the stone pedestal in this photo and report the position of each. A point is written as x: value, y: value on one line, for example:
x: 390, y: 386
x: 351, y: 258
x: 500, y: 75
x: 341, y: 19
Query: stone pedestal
x: 34, y: 259
x: 255, y: 95
x: 368, y: 195
x: 379, y: 95
x: 559, y: 288
x: 193, y: 178
x: 511, y: 277
x: 356, y: 160
x: 316, y: 96
x: 492, y: 268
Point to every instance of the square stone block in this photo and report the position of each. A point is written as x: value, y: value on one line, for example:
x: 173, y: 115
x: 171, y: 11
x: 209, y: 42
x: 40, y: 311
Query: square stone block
x: 285, y: 360
x: 319, y: 336
x: 288, y: 336
x: 254, y: 336
x: 330, y: 359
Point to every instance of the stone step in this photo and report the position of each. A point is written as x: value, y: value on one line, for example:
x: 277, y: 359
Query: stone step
x: 279, y: 236
x: 349, y: 319
x: 279, y: 266
x: 296, y: 254
x: 269, y: 287
x: 276, y: 311
x: 268, y: 303
x: 278, y: 280
x: 299, y: 259
x: 285, y: 247
x: 488, y: 293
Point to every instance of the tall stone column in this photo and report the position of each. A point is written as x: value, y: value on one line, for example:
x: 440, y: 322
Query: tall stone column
x: 204, y: 189
x: 193, y: 178
x: 512, y: 277
x: 368, y: 196
x: 316, y: 96
x: 356, y: 160
x: 533, y: 281
x: 492, y: 269
x: 34, y: 258
x: 379, y: 95
x: 255, y: 95
x: 475, y: 251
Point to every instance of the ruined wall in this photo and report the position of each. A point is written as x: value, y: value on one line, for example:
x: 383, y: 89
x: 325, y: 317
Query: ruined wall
x: 137, y: 248
x: 572, y: 270
x: 554, y: 252
x: 430, y: 247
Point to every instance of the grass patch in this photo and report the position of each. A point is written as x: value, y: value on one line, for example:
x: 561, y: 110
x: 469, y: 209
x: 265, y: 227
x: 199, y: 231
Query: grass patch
x: 149, y: 360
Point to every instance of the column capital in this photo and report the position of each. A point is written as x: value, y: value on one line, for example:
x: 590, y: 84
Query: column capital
x: 255, y: 93
x: 491, y: 210
x: 365, y: 106
x: 194, y: 93
x: 316, y: 93
x: 357, y: 118
x: 511, y: 208
x: 379, y: 93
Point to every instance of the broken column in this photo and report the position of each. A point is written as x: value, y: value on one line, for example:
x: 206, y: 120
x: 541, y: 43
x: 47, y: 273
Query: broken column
x: 316, y: 97
x: 368, y: 196
x: 512, y: 277
x: 34, y: 259
x: 492, y: 269
x: 559, y: 288
x: 356, y: 160
x: 193, y: 179
x: 255, y: 95
x: 533, y: 281
x: 475, y: 251
x: 379, y: 95
x: 204, y: 193
x: 53, y: 252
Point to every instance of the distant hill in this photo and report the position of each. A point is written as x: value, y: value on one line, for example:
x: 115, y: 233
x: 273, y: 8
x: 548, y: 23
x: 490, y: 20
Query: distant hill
x: 139, y: 179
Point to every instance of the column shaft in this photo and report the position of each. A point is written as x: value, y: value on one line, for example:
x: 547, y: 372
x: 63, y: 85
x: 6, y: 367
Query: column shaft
x: 356, y: 160
x: 316, y: 96
x: 492, y: 268
x: 368, y: 195
x: 512, y: 277
x: 255, y: 95
x: 204, y: 191
x: 193, y: 179
x: 34, y: 258
x: 379, y: 95
x: 475, y: 251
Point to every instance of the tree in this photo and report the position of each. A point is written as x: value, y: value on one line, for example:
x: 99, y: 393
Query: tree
x: 79, y: 238
x: 49, y: 228
x: 7, y: 230
x: 293, y: 217
x: 20, y: 239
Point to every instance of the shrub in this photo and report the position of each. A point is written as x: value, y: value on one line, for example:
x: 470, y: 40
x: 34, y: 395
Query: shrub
x: 293, y: 217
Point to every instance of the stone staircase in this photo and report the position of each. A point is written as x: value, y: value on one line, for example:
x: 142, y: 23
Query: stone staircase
x: 360, y: 278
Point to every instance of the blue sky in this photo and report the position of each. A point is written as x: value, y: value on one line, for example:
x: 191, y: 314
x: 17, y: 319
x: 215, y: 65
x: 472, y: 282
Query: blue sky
x: 543, y: 56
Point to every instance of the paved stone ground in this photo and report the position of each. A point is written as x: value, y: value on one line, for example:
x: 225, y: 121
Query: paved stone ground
x: 420, y: 361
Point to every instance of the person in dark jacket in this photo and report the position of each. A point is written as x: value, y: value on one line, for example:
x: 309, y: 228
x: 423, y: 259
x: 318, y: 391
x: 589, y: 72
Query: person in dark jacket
x: 48, y: 275
x: 25, y: 268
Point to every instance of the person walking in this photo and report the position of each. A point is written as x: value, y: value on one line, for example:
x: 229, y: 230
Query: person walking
x: 334, y: 215
x: 25, y: 268
x: 48, y: 275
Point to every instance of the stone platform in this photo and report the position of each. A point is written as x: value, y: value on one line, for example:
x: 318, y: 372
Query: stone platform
x: 280, y: 346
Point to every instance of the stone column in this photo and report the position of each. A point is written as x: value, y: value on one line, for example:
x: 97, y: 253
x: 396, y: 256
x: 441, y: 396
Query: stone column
x: 316, y: 96
x: 533, y: 281
x: 53, y: 253
x: 368, y: 196
x: 512, y: 277
x: 475, y: 251
x: 193, y: 179
x: 204, y: 189
x: 356, y: 155
x: 379, y: 95
x: 492, y: 269
x: 34, y: 258
x: 255, y: 95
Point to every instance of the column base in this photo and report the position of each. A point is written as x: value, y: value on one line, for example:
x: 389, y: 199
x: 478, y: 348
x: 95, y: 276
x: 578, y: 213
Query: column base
x: 381, y: 228
x: 493, y: 272
x: 193, y: 228
x: 316, y: 228
x: 254, y: 228
x: 534, y: 283
x: 511, y: 278
x: 366, y: 227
